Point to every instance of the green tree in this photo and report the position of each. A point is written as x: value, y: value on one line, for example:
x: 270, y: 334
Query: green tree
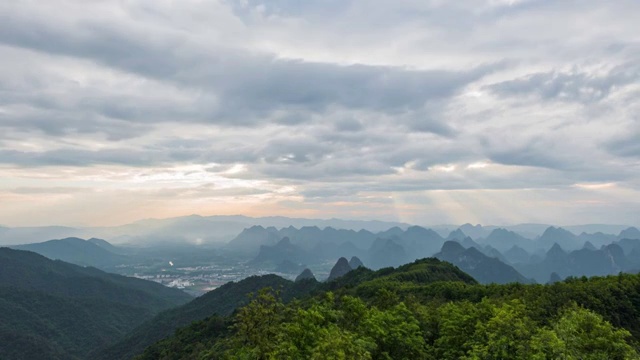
x: 546, y: 344
x: 257, y: 326
x: 587, y: 336
x: 396, y: 332
x: 506, y: 335
x: 457, y: 323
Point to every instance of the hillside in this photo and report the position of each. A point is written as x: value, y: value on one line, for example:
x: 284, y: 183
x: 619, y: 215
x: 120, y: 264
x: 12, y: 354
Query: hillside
x: 402, y: 316
x: 224, y: 300
x: 64, y: 311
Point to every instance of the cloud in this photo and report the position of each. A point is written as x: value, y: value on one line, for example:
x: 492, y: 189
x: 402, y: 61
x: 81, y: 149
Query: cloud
x: 626, y: 144
x: 581, y: 86
x: 291, y: 107
x: 244, y: 88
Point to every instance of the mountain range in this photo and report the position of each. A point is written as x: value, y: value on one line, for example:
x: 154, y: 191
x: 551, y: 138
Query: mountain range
x: 196, y: 229
x: 193, y: 229
x: 289, y: 250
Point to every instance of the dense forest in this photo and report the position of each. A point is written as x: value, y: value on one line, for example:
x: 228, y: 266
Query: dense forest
x: 424, y: 310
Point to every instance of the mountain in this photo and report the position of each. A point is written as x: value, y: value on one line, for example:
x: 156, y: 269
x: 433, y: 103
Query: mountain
x: 556, y: 256
x: 629, y: 233
x: 628, y: 245
x: 355, y: 263
x: 417, y: 241
x: 107, y: 246
x: 389, y: 233
x: 77, y: 251
x: 503, y: 240
x: 554, y: 278
x: 492, y: 253
x: 283, y: 250
x: 475, y: 231
x: 457, y: 234
x: 560, y: 236
x: 597, y: 239
x: 306, y: 274
x: 329, y: 243
x: 420, y: 242
x: 56, y: 310
x: 339, y: 269
x: 608, y: 260
x: 596, y: 228
x: 30, y: 271
x: 385, y: 253
x: 468, y: 242
x: 220, y: 229
x: 517, y: 255
x: 310, y: 236
x: 322, y: 243
x: 251, y: 239
x: 483, y: 268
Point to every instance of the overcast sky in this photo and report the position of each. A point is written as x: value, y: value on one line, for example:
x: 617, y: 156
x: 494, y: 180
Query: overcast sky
x: 425, y: 111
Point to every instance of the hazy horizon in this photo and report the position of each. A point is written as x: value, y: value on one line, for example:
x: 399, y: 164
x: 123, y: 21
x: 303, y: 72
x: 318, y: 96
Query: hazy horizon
x: 426, y: 225
x: 492, y: 112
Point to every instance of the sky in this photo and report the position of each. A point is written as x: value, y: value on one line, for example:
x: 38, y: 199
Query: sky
x: 427, y: 112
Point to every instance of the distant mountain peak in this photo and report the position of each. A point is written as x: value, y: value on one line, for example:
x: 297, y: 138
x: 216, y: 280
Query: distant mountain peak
x: 470, y: 224
x: 452, y: 247
x: 306, y: 274
x: 285, y: 241
x: 339, y: 269
x: 554, y: 278
x: 457, y: 234
x: 556, y: 252
x: 355, y: 262
x: 557, y: 231
x: 501, y: 230
x: 556, y: 248
x: 630, y: 233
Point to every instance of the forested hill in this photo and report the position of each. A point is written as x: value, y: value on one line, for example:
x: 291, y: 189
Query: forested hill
x: 401, y: 314
x: 224, y: 300
x: 55, y: 310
